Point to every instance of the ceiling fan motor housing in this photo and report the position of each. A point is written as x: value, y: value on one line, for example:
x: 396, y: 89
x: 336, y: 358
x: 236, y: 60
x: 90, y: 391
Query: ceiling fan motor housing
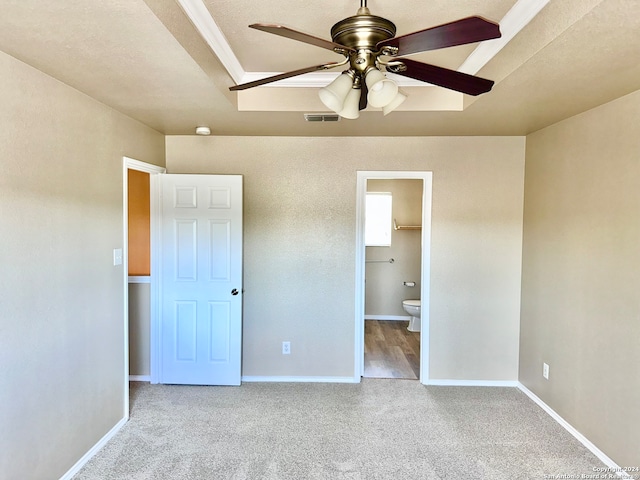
x: 362, y: 33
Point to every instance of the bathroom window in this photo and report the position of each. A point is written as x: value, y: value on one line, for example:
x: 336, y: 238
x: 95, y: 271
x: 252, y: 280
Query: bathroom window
x: 377, y: 220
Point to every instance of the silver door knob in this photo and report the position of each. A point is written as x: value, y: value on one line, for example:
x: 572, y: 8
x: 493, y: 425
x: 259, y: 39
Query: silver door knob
x: 234, y: 291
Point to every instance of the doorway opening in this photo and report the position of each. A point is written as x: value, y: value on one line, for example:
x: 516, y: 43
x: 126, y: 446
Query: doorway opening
x: 390, y: 342
x: 140, y: 182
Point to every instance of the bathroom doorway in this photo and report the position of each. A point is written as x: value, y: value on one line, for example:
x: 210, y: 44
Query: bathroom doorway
x: 389, y: 342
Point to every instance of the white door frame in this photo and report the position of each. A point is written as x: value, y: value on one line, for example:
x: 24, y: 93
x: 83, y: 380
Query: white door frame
x: 153, y: 171
x: 361, y: 188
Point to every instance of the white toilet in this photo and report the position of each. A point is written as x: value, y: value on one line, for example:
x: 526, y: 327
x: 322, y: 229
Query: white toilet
x: 412, y: 307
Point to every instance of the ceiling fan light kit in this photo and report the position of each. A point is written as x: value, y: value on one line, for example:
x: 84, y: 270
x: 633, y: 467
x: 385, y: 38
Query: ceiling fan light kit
x: 333, y: 95
x: 382, y: 91
x: 370, y: 47
x: 351, y: 107
x: 397, y: 101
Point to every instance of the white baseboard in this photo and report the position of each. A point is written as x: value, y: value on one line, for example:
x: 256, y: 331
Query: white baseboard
x: 471, y: 383
x: 399, y: 318
x: 140, y: 378
x: 614, y: 468
x: 286, y: 379
x: 95, y: 449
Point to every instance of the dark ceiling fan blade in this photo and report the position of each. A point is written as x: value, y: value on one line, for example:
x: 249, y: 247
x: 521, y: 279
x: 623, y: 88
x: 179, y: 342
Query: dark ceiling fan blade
x: 443, y: 77
x: 460, y: 32
x: 282, y: 76
x: 301, y: 37
x: 364, y: 91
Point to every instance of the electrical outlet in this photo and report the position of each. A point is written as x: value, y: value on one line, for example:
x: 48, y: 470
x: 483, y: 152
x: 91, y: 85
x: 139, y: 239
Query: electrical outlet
x: 545, y: 371
x: 286, y: 348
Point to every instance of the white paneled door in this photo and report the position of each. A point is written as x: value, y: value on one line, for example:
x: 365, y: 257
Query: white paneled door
x: 201, y: 279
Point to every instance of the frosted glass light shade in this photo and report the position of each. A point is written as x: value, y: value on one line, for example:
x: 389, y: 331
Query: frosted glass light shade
x: 395, y: 103
x: 334, y: 94
x: 381, y: 90
x: 351, y: 109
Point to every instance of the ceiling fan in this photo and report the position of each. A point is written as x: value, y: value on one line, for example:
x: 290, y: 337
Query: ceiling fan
x: 369, y: 45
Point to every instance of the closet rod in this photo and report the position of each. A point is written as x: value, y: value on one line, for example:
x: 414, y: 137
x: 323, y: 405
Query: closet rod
x: 405, y: 227
x: 391, y: 260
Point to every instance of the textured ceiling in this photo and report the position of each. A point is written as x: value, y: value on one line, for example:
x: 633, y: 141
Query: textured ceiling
x: 146, y: 59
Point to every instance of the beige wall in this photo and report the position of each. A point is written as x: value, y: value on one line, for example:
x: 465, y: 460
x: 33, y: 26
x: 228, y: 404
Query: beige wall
x: 581, y: 274
x: 299, y: 246
x: 61, y: 298
x: 385, y: 290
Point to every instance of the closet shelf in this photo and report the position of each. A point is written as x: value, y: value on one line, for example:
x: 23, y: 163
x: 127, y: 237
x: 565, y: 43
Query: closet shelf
x: 405, y: 227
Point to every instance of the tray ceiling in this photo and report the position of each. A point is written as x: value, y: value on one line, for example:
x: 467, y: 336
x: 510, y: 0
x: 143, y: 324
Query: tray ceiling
x: 147, y: 59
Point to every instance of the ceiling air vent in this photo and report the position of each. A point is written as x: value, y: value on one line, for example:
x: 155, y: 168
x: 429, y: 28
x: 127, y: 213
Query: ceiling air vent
x: 322, y: 117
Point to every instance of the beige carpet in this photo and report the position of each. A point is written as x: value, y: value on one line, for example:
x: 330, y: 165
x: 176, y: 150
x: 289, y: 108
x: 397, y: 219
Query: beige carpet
x: 379, y: 429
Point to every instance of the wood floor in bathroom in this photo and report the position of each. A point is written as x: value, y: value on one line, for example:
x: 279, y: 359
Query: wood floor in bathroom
x: 390, y: 350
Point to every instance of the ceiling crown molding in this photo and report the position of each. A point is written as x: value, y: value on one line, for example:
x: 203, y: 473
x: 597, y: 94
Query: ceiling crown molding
x: 197, y: 12
x: 513, y: 22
